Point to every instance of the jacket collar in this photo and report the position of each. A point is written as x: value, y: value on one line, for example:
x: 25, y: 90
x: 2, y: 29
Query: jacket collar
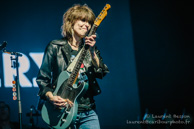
x: 60, y: 41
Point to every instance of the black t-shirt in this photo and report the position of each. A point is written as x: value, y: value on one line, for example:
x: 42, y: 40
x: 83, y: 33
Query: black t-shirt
x: 86, y: 102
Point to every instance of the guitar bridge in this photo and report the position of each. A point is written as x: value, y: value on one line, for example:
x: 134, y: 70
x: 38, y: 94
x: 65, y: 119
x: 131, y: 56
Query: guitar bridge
x: 62, y: 121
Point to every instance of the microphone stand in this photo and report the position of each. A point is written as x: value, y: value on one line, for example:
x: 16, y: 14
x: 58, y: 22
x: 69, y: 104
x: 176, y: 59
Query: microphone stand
x: 16, y: 65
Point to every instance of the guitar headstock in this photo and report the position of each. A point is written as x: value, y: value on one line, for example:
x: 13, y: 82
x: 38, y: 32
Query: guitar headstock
x: 102, y: 15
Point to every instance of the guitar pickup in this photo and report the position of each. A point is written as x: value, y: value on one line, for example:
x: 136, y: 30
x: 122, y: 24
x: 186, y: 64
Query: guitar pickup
x: 69, y: 87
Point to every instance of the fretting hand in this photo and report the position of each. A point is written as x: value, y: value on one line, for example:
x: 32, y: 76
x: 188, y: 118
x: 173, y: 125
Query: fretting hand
x: 91, y: 41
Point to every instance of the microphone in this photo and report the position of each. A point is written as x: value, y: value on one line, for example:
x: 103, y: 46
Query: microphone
x: 31, y: 116
x: 3, y: 45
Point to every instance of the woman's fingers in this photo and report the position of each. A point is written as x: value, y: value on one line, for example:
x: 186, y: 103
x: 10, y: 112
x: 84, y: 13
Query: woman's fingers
x: 90, y: 40
x: 70, y: 103
x: 60, y: 102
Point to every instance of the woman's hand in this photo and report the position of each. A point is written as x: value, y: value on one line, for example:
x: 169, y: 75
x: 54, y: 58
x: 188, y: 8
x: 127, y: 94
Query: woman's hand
x: 91, y: 41
x: 58, y: 101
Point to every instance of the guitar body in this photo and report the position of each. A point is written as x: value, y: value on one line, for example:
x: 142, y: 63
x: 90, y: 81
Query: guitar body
x: 62, y: 118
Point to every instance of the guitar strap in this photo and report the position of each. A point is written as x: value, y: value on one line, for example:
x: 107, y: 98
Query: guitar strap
x: 71, y: 66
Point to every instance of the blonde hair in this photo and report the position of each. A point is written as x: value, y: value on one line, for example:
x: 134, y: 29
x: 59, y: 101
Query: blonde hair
x: 76, y: 12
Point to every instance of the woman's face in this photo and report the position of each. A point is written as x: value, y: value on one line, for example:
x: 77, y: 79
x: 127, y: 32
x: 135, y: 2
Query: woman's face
x: 81, y: 28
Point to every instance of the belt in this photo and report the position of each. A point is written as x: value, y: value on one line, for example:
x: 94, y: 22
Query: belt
x: 86, y: 107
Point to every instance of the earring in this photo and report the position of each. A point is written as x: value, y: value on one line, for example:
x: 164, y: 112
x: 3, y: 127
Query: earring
x: 72, y: 32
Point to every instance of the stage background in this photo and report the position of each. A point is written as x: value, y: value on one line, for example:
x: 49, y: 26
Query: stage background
x: 163, y: 44
x: 146, y: 46
x: 28, y: 26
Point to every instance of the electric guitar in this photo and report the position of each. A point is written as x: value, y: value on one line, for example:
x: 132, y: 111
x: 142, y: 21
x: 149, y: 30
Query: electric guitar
x: 69, y: 86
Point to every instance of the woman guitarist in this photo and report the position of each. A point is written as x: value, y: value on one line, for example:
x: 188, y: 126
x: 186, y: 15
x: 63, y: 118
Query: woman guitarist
x: 77, y: 22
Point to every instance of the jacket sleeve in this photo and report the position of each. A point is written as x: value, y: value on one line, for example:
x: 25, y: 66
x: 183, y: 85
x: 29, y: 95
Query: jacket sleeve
x: 44, y: 77
x: 102, y: 70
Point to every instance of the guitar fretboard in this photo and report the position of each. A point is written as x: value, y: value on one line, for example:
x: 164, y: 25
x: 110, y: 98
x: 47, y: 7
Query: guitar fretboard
x: 80, y: 59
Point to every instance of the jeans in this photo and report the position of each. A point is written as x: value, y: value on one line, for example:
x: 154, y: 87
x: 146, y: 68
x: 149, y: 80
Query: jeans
x: 86, y: 120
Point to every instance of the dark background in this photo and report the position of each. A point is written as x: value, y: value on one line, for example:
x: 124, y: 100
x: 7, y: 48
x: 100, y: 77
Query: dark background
x: 162, y: 33
x: 146, y: 44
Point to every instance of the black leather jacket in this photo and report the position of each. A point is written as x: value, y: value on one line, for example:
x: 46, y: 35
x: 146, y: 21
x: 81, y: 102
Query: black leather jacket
x: 56, y: 59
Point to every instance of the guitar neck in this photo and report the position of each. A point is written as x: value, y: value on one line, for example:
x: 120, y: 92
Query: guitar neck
x: 80, y: 60
x: 82, y: 55
x: 93, y: 30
